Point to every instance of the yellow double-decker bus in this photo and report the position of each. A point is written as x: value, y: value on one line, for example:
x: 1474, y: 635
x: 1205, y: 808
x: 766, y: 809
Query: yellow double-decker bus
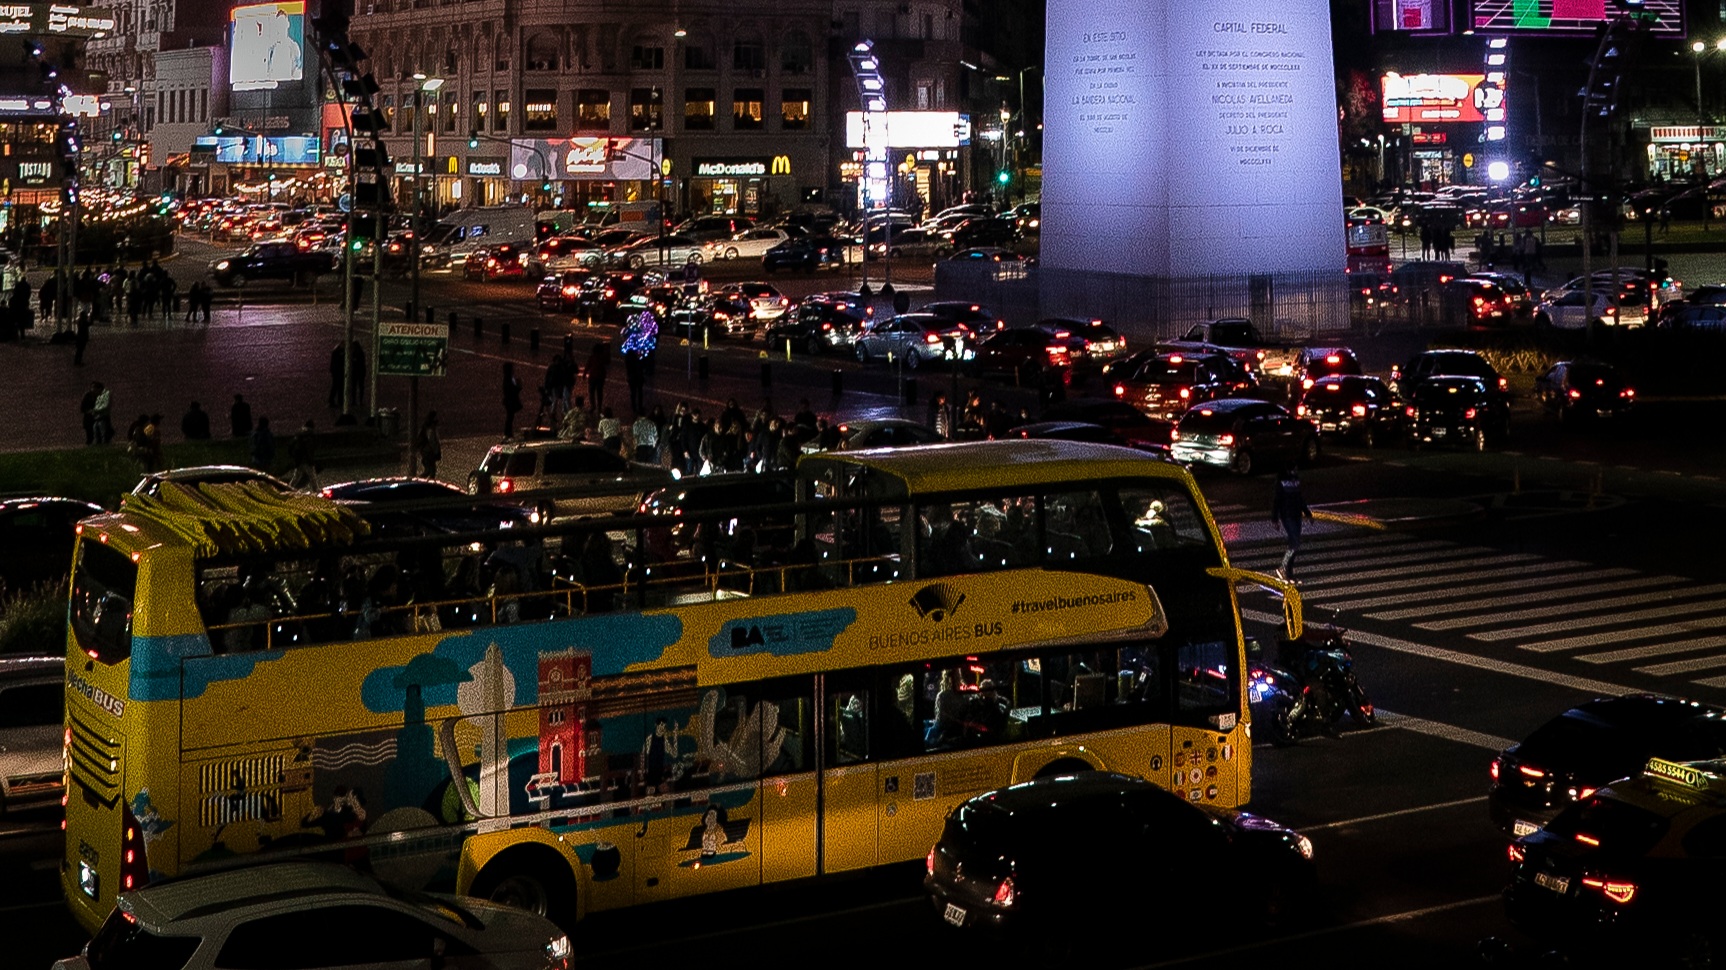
x: 584, y: 716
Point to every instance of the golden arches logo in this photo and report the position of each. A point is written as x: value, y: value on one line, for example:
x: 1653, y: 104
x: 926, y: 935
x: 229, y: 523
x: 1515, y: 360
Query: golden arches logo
x: 781, y: 165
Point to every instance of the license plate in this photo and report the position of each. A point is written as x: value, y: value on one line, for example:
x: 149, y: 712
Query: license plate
x: 1439, y: 432
x: 1519, y: 828
x: 954, y: 915
x: 1328, y: 426
x: 1558, y: 884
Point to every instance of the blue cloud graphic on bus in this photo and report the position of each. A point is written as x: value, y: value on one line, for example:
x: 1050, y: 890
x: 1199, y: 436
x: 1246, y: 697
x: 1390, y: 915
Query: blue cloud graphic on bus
x: 158, y: 664
x: 616, y: 642
x: 782, y: 635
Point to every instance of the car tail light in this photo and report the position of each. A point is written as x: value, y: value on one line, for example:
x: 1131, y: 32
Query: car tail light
x: 1531, y: 771
x: 1185, y: 392
x: 1226, y: 440
x: 1618, y: 890
x: 1333, y: 359
x: 1575, y: 394
x: 929, y: 863
x: 826, y: 326
x: 1174, y: 434
x: 1627, y: 392
x: 1359, y: 410
x: 569, y: 291
x: 1300, y: 410
x: 1120, y: 390
x: 503, y: 486
x: 1582, y: 793
x: 609, y: 292
x: 931, y: 338
x: 1175, y: 358
x: 1445, y: 277
x: 1409, y: 411
x: 1493, y: 770
x: 1479, y: 301
x: 1004, y: 894
x: 1517, y: 853
x: 1057, y: 354
x: 1469, y: 414
x: 784, y: 301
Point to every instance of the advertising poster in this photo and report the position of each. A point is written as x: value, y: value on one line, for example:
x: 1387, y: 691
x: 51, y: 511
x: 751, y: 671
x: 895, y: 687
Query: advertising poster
x: 268, y: 45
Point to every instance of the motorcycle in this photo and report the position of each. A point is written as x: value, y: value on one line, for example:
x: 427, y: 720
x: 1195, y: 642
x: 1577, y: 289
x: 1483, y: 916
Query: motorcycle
x: 1309, y: 689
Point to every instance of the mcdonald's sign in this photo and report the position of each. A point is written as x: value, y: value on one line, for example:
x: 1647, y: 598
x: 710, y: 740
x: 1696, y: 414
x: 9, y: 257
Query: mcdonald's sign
x: 782, y: 165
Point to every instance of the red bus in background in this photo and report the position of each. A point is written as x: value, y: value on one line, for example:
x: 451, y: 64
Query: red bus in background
x: 1368, y: 247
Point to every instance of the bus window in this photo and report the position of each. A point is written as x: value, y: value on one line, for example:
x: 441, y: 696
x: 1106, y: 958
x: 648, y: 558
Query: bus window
x: 1205, y: 688
x: 1162, y: 517
x: 1075, y: 527
x: 102, y: 590
x: 848, y: 726
x: 973, y: 535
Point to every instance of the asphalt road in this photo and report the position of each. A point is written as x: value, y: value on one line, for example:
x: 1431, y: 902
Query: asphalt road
x: 1486, y: 593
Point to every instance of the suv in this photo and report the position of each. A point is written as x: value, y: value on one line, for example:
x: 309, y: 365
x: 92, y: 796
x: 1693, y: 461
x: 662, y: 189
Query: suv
x: 565, y: 478
x: 32, y: 716
x: 272, y: 261
x: 1432, y: 363
x: 1455, y: 410
x: 1418, y: 277
x: 1164, y: 386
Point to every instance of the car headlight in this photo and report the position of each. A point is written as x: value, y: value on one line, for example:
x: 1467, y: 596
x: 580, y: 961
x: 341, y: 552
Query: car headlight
x: 1304, y: 846
x: 222, y: 264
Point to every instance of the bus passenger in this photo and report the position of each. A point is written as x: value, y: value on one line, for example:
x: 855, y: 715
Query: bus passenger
x: 950, y: 711
x: 988, y: 713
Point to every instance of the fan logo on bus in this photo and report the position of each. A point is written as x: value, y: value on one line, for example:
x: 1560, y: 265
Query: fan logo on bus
x: 937, y: 603
x: 101, y: 698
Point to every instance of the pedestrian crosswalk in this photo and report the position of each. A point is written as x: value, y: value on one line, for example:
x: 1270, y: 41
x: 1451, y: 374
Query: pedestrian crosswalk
x: 1655, y: 624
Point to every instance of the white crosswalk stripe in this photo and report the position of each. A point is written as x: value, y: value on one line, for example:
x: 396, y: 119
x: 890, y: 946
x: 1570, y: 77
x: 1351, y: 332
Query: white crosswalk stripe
x: 1658, y: 625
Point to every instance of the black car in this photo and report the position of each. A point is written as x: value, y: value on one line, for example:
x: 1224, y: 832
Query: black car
x: 1590, y: 746
x: 403, y: 506
x: 983, y: 231
x: 1040, y: 860
x: 1456, y: 411
x: 272, y: 261
x: 757, y: 526
x: 562, y: 291
x: 1243, y: 435
x: 1353, y: 406
x: 1131, y: 425
x: 1166, y: 385
x: 975, y: 317
x: 36, y: 538
x: 717, y: 315
x: 1630, y: 875
x: 602, y: 294
x: 807, y: 253
x: 1581, y: 390
x: 1092, y: 343
x: 1067, y: 431
x: 1316, y: 362
x: 822, y: 323
x: 1404, y: 378
x: 1024, y: 354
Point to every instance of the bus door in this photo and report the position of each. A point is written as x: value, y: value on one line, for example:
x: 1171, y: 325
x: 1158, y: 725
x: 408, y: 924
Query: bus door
x: 848, y: 773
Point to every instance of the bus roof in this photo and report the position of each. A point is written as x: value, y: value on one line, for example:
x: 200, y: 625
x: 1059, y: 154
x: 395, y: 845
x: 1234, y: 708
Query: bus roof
x: 224, y: 518
x: 958, y: 466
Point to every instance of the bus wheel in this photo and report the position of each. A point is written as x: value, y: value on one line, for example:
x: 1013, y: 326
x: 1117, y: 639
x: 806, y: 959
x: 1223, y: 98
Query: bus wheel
x: 530, y: 878
x: 1063, y: 766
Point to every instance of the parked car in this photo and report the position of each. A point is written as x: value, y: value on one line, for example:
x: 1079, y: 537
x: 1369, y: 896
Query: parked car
x: 401, y: 505
x: 1006, y: 861
x: 1026, y: 354
x: 1353, y: 406
x: 1027, y: 216
x: 151, y: 484
x: 704, y: 229
x: 36, y: 538
x: 982, y: 231
x: 915, y: 339
x: 1243, y: 435
x: 1592, y: 745
x: 1455, y: 410
x: 902, y: 241
x: 313, y: 916
x: 1582, y: 390
x: 822, y: 323
x: 562, y: 291
x: 603, y: 293
x: 564, y: 478
x: 716, y: 315
x: 748, y: 244
x: 32, y: 726
x: 1405, y: 377
x: 974, y: 317
x: 1164, y: 386
x: 807, y: 253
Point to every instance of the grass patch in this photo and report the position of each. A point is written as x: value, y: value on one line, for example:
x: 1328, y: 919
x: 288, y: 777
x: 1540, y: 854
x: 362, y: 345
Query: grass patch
x: 33, y: 621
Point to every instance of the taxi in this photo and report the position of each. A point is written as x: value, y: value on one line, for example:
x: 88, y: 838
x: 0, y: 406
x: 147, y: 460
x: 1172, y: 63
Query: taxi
x: 1636, y: 864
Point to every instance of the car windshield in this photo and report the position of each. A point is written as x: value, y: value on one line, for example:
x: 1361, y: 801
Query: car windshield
x: 1164, y: 371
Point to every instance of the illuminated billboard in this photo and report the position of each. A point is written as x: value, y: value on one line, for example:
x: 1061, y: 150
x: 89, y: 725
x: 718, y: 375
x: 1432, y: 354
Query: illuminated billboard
x: 268, y: 45
x: 1571, y: 17
x: 1411, y: 16
x: 1442, y: 98
x: 556, y: 159
x: 914, y: 129
x: 253, y: 150
x: 55, y: 19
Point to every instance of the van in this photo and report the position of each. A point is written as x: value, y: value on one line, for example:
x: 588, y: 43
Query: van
x: 481, y: 226
x: 640, y: 216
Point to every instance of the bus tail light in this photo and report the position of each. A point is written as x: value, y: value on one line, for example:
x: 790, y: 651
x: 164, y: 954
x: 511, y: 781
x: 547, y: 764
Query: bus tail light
x: 134, y: 868
x: 1004, y: 893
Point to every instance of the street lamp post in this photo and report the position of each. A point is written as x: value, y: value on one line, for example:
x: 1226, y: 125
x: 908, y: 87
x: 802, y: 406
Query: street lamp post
x: 422, y: 86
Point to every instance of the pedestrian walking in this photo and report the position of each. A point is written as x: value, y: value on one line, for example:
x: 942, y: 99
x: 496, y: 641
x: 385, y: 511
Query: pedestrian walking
x: 338, y: 374
x: 87, y: 411
x: 240, y: 418
x: 303, y: 452
x: 263, y: 446
x: 1289, y: 509
x: 356, y: 371
x: 48, y: 296
x: 646, y: 435
x: 511, y: 399
x: 429, y: 445
x: 635, y: 371
x: 598, y: 362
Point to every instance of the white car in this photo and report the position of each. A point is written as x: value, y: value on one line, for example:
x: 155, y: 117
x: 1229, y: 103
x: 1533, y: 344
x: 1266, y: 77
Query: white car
x: 748, y: 244
x: 32, y: 747
x: 1569, y: 311
x: 561, y: 254
x: 766, y: 303
x: 645, y: 251
x: 314, y: 916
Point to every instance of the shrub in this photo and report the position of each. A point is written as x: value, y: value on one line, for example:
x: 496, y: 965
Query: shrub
x: 33, y: 620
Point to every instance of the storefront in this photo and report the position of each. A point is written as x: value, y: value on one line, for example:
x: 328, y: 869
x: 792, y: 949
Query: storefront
x: 930, y: 153
x: 1686, y: 151
x: 739, y: 186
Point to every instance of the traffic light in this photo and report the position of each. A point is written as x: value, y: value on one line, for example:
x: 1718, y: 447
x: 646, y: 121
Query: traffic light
x: 1004, y: 176
x: 117, y: 136
x: 1534, y: 182
x: 218, y: 129
x: 473, y: 139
